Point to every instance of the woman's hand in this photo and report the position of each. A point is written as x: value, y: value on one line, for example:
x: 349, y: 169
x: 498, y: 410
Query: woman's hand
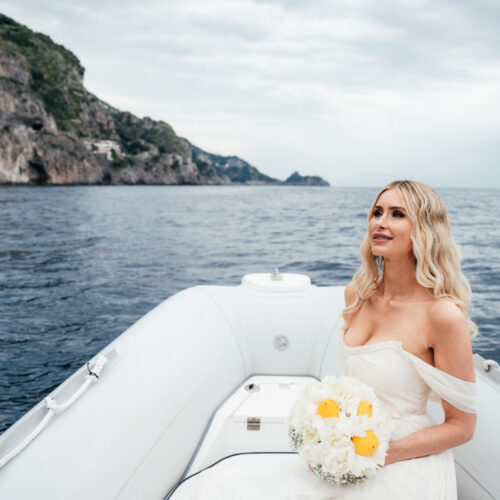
x: 391, y: 455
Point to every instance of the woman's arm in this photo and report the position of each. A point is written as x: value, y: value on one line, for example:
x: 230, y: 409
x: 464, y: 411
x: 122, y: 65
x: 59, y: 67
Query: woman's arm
x: 450, y: 339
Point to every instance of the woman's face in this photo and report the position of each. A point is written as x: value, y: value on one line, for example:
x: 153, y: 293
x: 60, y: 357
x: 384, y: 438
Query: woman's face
x: 390, y: 227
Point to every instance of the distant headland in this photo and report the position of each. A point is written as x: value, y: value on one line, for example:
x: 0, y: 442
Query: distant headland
x: 53, y: 131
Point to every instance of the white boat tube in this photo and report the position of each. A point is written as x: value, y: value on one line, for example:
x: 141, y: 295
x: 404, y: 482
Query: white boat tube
x: 132, y: 434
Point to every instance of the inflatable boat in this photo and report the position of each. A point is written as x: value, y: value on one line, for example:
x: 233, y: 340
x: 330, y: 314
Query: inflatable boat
x: 202, y: 381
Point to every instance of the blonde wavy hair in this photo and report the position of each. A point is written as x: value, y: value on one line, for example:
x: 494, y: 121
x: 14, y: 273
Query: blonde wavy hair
x: 437, y: 257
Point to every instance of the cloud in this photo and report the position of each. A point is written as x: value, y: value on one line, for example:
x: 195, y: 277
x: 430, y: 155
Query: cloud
x: 353, y: 90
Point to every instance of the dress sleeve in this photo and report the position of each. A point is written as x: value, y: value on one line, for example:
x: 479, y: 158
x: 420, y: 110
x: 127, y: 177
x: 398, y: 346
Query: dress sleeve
x: 459, y: 393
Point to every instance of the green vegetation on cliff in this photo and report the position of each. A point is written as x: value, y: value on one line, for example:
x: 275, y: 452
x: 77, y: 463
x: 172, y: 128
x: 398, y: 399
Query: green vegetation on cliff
x: 136, y: 135
x: 56, y: 73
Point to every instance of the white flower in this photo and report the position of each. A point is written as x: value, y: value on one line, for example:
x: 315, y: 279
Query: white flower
x: 326, y: 443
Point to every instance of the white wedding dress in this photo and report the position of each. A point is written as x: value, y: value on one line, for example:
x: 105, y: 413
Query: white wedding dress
x: 404, y: 383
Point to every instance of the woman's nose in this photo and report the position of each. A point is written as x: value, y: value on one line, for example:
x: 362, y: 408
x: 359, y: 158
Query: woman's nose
x: 382, y: 221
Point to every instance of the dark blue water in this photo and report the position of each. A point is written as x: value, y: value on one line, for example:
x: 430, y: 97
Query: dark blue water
x: 78, y: 265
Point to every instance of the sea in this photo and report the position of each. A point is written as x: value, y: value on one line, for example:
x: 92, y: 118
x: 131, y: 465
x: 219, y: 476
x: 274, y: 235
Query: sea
x: 80, y: 264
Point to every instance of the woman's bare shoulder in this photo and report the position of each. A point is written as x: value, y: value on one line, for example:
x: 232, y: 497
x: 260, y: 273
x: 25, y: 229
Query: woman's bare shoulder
x: 445, y: 316
x: 450, y: 339
x: 349, y: 294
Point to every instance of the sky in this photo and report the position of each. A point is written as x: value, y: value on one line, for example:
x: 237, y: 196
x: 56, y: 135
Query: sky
x: 360, y: 92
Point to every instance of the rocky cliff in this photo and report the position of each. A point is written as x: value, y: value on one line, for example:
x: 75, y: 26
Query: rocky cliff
x: 53, y: 131
x: 305, y: 180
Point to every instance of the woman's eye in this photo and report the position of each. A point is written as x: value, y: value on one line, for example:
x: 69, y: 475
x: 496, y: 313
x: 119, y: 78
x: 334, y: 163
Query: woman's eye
x: 377, y: 213
x: 397, y: 213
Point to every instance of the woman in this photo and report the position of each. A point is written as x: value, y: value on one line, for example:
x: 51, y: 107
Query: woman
x: 407, y: 334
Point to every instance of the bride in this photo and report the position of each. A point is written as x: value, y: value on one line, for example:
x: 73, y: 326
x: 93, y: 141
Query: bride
x: 407, y: 333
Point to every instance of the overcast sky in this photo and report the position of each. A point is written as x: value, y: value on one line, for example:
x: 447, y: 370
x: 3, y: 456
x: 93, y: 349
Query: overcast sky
x: 358, y: 91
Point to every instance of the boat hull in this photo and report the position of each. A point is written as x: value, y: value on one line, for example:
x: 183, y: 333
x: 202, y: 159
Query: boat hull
x: 135, y: 431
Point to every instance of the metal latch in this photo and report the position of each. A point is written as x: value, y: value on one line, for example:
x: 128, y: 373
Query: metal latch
x: 253, y: 424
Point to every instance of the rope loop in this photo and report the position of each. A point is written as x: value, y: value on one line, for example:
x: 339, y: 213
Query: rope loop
x: 489, y: 363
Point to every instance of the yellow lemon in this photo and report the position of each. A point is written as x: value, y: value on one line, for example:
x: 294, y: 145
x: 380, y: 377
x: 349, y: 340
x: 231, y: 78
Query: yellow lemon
x: 365, y: 408
x: 328, y: 408
x: 367, y: 445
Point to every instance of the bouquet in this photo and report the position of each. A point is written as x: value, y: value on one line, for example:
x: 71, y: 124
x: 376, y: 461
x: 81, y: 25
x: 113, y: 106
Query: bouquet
x: 341, y: 429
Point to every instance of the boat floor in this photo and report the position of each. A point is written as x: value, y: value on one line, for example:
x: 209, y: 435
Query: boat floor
x: 252, y: 419
x: 250, y: 476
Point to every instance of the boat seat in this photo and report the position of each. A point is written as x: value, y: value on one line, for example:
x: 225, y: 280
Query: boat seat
x: 251, y: 476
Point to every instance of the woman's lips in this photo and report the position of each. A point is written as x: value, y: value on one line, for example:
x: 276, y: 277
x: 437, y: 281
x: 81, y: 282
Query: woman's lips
x: 381, y: 238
